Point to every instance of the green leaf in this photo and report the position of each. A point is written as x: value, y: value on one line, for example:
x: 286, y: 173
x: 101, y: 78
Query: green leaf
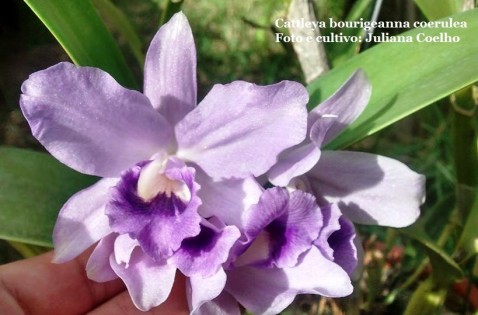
x: 435, y: 10
x: 33, y: 187
x: 445, y: 269
x: 405, y: 77
x: 80, y: 31
x: 360, y: 9
x: 120, y: 22
x: 469, y: 237
x: 340, y: 52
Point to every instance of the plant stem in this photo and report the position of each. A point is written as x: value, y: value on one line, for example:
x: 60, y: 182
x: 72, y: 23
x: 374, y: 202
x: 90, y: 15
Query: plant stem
x: 427, y: 299
x: 27, y: 250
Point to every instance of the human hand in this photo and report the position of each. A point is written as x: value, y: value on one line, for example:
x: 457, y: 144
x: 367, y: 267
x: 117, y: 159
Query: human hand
x: 37, y: 286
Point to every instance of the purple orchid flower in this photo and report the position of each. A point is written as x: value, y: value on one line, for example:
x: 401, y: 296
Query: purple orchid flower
x: 367, y: 188
x: 289, y: 246
x: 156, y: 151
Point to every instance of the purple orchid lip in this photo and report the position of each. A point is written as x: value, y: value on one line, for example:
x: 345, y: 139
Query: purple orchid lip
x: 336, y: 240
x: 204, y: 254
x: 278, y: 229
x: 159, y: 218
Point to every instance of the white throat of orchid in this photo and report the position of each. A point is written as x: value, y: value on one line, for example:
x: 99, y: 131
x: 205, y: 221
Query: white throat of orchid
x: 152, y: 181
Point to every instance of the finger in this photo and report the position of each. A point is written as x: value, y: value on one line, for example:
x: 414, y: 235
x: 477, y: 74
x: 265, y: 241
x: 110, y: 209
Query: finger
x: 37, y: 286
x: 122, y: 304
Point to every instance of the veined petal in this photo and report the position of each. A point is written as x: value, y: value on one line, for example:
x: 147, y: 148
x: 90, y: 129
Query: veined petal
x: 148, y: 282
x: 161, y: 223
x: 227, y: 199
x: 342, y: 242
x: 345, y: 105
x: 170, y: 69
x: 368, y: 188
x: 358, y: 271
x: 271, y: 290
x: 239, y: 129
x: 85, y: 119
x: 337, y: 239
x: 224, y: 304
x: 280, y: 228
x: 98, y: 267
x: 204, y: 254
x: 202, y: 290
x: 82, y: 221
x: 330, y: 214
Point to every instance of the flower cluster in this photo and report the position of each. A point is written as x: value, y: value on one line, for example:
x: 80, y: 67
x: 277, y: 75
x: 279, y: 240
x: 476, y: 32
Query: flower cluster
x: 183, y: 184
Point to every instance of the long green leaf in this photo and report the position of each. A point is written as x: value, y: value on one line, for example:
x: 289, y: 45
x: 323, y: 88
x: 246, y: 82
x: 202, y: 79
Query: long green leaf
x: 33, y: 187
x: 469, y: 237
x: 405, y: 77
x: 340, y: 52
x: 78, y: 28
x: 122, y: 24
x: 434, y: 10
x: 445, y: 269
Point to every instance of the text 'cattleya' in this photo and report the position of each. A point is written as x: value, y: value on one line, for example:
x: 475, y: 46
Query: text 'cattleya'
x: 180, y: 190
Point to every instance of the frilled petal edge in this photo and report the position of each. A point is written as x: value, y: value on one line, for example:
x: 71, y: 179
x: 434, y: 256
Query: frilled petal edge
x: 280, y: 228
x: 204, y: 254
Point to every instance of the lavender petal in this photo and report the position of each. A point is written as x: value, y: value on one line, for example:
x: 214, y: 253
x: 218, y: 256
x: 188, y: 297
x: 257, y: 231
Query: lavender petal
x: 170, y: 69
x: 224, y: 304
x: 342, y: 242
x: 280, y: 228
x: 271, y: 290
x: 204, y: 254
x: 203, y: 290
x: 98, y: 267
x: 241, y: 122
x: 148, y: 282
x: 82, y: 222
x: 294, y: 162
x: 85, y: 119
x: 368, y: 188
x: 227, y: 199
x: 346, y: 105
